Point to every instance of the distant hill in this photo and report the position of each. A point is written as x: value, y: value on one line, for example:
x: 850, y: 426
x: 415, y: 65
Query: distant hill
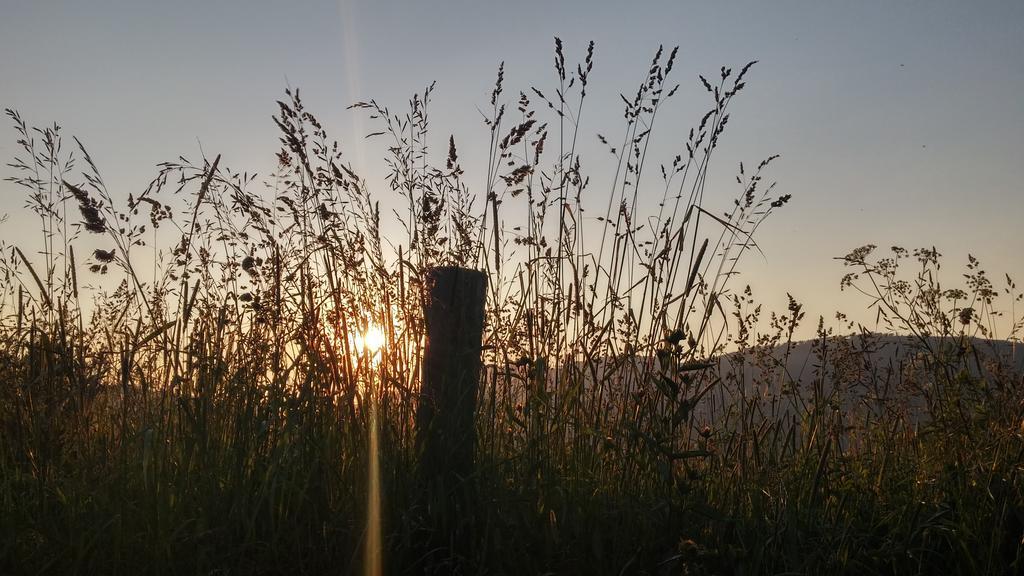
x: 883, y: 350
x: 870, y: 366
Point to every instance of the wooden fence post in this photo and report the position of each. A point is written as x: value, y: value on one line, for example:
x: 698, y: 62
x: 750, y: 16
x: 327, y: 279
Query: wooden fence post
x: 445, y: 420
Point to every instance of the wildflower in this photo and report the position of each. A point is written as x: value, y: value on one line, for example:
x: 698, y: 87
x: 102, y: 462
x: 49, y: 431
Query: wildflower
x: 251, y: 265
x: 966, y: 314
x: 90, y: 209
x: 674, y: 337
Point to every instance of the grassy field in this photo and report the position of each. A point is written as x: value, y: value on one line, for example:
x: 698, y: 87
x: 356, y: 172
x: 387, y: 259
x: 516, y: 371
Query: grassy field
x: 188, y: 383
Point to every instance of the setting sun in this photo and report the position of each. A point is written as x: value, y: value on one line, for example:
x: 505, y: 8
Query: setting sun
x: 372, y: 340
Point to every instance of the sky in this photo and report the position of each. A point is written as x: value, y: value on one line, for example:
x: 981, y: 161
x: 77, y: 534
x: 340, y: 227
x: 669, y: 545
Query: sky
x: 898, y: 123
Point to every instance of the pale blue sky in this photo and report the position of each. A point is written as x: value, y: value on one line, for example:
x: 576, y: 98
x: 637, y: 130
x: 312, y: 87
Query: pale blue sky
x: 897, y: 122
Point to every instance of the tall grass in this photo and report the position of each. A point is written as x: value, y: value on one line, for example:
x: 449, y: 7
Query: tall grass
x: 203, y: 406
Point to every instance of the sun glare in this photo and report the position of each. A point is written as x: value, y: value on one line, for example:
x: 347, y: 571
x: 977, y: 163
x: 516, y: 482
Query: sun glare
x: 370, y: 341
